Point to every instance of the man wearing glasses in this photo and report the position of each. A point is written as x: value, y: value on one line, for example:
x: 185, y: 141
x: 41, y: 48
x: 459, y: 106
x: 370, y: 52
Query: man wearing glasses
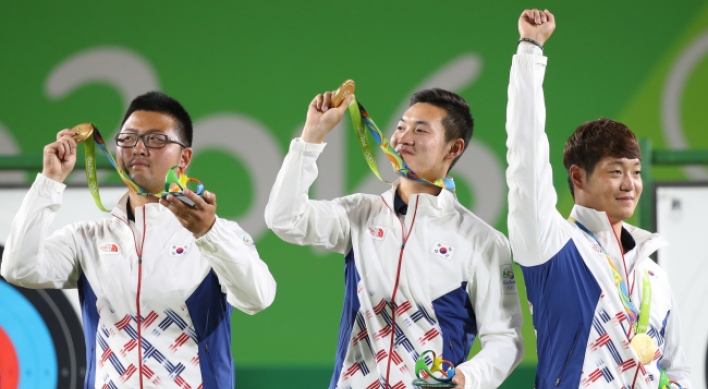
x: 157, y: 280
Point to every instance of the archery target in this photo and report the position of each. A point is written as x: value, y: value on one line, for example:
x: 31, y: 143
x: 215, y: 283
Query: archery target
x: 41, y: 335
x: 43, y: 340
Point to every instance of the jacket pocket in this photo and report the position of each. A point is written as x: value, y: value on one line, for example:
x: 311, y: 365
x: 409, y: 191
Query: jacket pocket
x: 210, y: 380
x: 570, y: 355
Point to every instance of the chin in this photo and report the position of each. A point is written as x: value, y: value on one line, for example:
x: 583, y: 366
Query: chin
x: 624, y: 214
x: 141, y: 181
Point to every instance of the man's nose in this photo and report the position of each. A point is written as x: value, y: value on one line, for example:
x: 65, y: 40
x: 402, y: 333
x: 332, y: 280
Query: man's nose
x: 628, y: 183
x: 405, y: 137
x: 140, y: 146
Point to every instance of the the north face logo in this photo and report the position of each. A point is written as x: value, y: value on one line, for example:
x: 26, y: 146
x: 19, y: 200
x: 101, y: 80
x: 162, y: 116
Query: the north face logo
x: 377, y: 232
x: 597, y: 248
x: 108, y: 248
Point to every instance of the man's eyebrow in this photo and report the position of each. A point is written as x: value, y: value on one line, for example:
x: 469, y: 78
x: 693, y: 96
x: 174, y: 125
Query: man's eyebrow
x: 135, y: 130
x: 423, y: 122
x: 621, y: 163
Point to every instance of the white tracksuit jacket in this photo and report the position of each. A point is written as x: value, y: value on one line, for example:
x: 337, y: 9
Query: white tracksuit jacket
x: 450, y: 272
x: 156, y: 302
x: 577, y: 312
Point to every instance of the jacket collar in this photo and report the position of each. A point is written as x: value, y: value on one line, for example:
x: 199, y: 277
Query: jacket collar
x: 427, y: 203
x: 597, y: 222
x: 157, y: 212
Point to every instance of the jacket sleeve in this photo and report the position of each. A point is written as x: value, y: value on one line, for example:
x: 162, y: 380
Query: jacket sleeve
x: 293, y: 216
x: 536, y: 228
x: 243, y: 276
x: 32, y: 258
x: 674, y: 359
x: 496, y: 304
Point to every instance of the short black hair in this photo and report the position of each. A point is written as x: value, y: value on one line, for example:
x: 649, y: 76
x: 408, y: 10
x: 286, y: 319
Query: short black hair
x: 159, y: 102
x: 594, y: 140
x: 458, y: 123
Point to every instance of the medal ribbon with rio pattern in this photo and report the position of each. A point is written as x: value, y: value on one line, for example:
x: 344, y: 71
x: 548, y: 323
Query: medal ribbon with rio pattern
x: 366, y: 129
x: 629, y: 308
x: 93, y: 138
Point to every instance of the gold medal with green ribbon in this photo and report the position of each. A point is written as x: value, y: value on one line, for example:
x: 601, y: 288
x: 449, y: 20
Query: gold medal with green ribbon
x: 175, y: 180
x: 368, y: 133
x: 642, y: 343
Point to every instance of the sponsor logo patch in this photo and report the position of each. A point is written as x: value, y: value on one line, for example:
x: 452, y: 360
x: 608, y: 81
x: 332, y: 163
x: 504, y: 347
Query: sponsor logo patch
x: 596, y: 248
x: 508, y: 281
x: 444, y: 250
x: 376, y: 232
x: 248, y: 241
x: 179, y: 249
x: 108, y: 248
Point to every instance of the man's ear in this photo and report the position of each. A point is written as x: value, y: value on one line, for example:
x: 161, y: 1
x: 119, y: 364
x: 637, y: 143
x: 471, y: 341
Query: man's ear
x: 455, y: 148
x: 578, y: 176
x: 186, y: 158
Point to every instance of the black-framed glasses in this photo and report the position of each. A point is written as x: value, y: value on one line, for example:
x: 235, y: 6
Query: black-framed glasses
x: 151, y: 140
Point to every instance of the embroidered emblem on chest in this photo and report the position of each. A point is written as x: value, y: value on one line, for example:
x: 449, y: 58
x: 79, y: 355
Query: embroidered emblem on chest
x: 108, y: 248
x: 444, y: 250
x: 179, y: 249
x: 376, y: 232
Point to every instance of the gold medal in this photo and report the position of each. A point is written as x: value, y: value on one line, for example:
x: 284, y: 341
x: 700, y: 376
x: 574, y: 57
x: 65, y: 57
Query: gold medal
x: 644, y: 346
x: 342, y: 92
x: 83, y: 131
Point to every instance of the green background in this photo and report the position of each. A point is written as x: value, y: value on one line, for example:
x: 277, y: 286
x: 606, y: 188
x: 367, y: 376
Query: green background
x: 264, y: 61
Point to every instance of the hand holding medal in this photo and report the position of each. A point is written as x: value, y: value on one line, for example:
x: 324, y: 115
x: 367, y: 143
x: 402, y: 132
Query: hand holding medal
x: 344, y: 90
x: 435, y: 373
x: 176, y: 182
x: 197, y: 210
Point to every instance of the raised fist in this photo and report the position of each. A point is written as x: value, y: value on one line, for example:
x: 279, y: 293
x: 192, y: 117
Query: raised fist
x: 60, y: 156
x: 536, y: 25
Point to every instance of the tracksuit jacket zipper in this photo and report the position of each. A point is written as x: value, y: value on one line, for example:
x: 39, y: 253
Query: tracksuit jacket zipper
x: 139, y: 252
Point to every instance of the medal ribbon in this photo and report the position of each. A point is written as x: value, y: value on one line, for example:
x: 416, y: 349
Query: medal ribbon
x: 366, y: 129
x: 629, y: 309
x: 90, y: 154
x: 665, y: 382
x: 176, y: 180
x: 643, y: 324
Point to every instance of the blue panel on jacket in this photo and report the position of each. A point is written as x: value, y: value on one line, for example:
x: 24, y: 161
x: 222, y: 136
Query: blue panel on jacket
x: 564, y: 294
x: 458, y: 324
x: 211, y: 315
x: 87, y: 300
x: 349, y: 313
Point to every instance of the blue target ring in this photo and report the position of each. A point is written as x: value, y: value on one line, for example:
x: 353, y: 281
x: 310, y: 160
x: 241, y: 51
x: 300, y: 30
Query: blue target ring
x: 30, y: 338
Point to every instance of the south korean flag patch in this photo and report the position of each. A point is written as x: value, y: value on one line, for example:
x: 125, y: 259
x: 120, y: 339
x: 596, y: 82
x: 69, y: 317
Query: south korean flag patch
x: 178, y: 250
x: 444, y: 250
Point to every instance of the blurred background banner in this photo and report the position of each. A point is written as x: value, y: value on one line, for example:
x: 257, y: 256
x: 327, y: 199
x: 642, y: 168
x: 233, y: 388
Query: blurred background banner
x: 247, y: 70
